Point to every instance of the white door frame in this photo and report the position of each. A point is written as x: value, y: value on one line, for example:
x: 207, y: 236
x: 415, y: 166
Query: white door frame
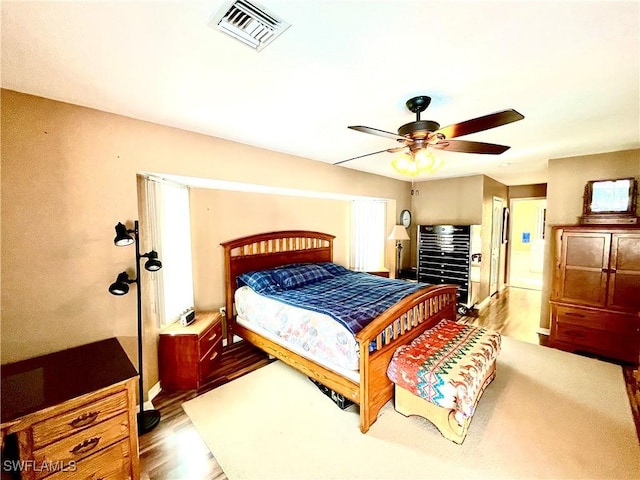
x: 497, y: 208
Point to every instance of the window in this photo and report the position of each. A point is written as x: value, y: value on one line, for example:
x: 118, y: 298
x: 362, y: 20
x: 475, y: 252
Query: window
x: 168, y: 220
x: 368, y: 234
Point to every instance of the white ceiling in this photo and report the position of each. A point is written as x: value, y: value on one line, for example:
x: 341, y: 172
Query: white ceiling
x: 570, y: 67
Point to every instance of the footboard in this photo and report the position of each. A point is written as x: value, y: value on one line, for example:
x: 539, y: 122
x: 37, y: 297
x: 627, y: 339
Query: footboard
x: 397, y: 326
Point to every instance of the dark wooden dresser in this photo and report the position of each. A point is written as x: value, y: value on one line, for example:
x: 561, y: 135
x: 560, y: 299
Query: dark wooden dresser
x: 595, y: 300
x: 71, y: 415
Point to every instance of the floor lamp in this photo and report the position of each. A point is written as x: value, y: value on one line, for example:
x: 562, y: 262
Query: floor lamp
x: 149, y: 419
x: 398, y: 234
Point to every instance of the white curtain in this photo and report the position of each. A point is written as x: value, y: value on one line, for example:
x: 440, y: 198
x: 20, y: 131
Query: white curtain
x: 368, y: 234
x: 170, y: 234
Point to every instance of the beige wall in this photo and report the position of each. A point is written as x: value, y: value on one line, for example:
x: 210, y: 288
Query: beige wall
x: 69, y: 175
x: 221, y: 215
x: 452, y: 201
x: 567, y: 178
x: 537, y: 190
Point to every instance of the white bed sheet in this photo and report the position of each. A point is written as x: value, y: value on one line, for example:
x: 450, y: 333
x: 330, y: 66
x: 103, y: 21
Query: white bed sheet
x: 313, y: 335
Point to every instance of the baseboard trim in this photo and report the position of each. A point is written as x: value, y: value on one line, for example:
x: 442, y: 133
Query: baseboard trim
x: 483, y: 303
x: 543, y: 331
x: 154, y: 391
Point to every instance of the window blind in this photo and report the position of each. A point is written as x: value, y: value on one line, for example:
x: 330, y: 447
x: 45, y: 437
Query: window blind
x: 170, y: 233
x: 368, y: 234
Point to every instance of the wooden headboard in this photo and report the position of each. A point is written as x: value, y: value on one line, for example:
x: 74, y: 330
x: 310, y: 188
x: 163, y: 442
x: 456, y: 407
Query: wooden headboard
x: 269, y: 250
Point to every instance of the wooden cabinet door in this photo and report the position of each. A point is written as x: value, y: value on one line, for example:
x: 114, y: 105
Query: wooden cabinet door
x: 584, y: 263
x: 624, y: 272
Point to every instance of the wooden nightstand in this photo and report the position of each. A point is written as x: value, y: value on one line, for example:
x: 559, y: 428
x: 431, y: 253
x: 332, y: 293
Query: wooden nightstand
x: 188, y: 355
x: 380, y: 273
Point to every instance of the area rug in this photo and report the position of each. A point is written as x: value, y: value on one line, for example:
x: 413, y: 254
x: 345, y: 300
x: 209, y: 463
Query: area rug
x: 548, y: 414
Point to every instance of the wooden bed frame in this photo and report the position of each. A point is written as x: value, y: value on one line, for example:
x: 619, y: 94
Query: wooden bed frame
x: 397, y: 326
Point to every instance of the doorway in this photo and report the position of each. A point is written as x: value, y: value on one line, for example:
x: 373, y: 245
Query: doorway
x: 526, y: 249
x: 496, y: 244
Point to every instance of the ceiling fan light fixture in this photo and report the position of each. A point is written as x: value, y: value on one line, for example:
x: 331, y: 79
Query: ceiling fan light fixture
x: 424, y: 159
x: 421, y: 161
x: 405, y: 164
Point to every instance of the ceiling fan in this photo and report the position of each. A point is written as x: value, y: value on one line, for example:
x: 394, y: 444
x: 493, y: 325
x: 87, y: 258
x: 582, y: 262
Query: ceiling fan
x: 419, y: 136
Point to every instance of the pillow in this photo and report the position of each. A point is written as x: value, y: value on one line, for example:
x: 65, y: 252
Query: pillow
x: 261, y: 281
x: 298, y: 275
x: 334, y: 269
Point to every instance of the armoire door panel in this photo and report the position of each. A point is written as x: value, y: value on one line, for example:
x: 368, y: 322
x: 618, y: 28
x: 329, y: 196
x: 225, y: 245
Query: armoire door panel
x: 626, y: 252
x: 624, y: 281
x: 587, y: 250
x: 624, y: 292
x: 584, y: 286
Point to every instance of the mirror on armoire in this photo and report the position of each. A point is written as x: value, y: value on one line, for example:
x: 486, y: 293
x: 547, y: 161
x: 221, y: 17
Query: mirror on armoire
x: 610, y: 201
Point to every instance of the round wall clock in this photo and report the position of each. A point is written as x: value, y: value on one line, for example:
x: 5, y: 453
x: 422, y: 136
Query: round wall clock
x: 405, y: 218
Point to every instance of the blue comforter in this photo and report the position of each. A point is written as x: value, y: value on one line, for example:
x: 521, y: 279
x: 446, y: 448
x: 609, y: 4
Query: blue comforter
x: 351, y: 298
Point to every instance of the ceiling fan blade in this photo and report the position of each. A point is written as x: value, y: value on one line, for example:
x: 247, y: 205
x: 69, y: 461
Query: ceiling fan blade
x: 481, y: 123
x: 388, y: 150
x: 375, y: 131
x: 466, y: 146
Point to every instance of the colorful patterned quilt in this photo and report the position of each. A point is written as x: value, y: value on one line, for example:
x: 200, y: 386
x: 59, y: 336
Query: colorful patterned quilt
x: 447, y: 365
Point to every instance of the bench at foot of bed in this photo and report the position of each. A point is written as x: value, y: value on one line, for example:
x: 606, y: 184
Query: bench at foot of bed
x: 442, y: 374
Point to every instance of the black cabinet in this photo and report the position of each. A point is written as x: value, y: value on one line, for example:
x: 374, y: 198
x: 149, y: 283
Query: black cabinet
x: 448, y: 254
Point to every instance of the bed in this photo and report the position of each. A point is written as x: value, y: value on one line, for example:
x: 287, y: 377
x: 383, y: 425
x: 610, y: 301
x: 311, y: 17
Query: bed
x: 398, y: 325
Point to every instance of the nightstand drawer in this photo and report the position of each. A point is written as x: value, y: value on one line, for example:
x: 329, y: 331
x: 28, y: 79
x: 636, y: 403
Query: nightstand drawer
x: 112, y: 463
x: 208, y: 362
x: 78, y: 419
x: 82, y: 444
x: 210, y: 338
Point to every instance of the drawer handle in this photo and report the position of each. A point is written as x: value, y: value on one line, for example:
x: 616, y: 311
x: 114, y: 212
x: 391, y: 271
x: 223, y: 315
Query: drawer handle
x: 213, y: 337
x: 85, y: 446
x: 571, y: 314
x: 215, y: 354
x: 84, y: 420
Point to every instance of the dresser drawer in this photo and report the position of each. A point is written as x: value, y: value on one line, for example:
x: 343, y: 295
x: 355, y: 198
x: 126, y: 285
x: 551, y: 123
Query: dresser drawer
x: 209, y: 339
x: 597, y: 320
x: 82, y: 444
x: 608, y: 344
x: 113, y: 463
x: 77, y: 419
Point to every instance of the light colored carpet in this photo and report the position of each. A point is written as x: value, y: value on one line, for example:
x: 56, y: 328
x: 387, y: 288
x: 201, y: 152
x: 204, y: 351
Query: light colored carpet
x: 548, y: 414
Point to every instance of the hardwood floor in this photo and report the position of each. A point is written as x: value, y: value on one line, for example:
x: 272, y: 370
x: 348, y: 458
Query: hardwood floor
x: 513, y: 312
x: 175, y: 451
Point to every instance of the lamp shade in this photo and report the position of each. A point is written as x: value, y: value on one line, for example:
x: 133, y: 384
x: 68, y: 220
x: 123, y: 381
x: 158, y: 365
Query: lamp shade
x: 398, y: 233
x: 121, y: 285
x: 123, y: 238
x: 152, y: 264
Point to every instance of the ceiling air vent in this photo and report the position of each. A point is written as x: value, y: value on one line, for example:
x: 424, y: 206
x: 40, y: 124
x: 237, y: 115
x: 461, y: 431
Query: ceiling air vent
x: 249, y: 22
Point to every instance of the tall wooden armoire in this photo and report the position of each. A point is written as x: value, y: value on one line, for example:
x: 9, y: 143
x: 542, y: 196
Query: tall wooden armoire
x: 595, y: 300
